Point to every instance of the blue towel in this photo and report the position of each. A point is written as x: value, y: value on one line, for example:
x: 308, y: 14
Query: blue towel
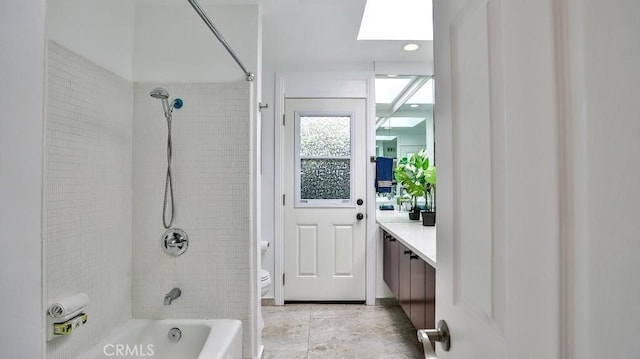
x: 384, y: 174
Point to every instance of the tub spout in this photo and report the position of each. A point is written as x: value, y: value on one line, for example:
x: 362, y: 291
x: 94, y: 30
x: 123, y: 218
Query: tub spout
x: 172, y: 295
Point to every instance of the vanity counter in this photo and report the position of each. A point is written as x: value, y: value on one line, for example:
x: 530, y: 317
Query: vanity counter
x: 418, y: 238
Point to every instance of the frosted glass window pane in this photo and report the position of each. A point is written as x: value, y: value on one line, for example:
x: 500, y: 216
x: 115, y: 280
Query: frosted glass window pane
x: 325, y: 136
x: 325, y: 179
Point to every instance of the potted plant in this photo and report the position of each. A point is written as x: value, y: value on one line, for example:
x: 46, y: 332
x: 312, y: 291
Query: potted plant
x: 429, y: 214
x: 418, y: 178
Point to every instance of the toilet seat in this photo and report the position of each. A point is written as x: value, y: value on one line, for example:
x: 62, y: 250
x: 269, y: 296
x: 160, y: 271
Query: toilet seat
x: 265, y: 281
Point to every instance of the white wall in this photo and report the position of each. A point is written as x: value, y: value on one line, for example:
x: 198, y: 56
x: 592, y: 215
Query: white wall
x: 172, y: 43
x: 210, y: 171
x: 87, y: 199
x: 174, y: 48
x: 101, y: 31
x: 21, y: 131
x: 88, y: 163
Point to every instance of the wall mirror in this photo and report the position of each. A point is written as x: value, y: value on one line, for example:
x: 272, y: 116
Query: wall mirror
x: 404, y: 125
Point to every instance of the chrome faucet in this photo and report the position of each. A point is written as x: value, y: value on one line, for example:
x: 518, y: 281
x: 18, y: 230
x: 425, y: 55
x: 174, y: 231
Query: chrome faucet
x: 172, y: 295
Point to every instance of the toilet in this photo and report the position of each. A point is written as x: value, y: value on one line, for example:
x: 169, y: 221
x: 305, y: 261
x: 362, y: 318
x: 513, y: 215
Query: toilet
x: 265, y: 277
x: 265, y: 281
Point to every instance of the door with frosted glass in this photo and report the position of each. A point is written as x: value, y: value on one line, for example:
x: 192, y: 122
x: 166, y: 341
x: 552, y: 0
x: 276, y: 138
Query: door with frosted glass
x: 324, y: 208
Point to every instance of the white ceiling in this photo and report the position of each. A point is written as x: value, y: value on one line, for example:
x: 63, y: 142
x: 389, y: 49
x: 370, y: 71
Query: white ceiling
x: 317, y: 32
x: 325, y: 32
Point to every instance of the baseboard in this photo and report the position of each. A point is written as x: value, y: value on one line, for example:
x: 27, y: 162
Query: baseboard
x: 268, y: 301
x: 387, y: 302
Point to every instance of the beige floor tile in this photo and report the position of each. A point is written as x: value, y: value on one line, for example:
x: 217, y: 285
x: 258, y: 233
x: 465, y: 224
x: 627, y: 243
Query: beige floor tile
x: 332, y: 331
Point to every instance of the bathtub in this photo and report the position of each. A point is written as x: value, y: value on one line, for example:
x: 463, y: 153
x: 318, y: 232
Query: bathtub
x: 200, y: 339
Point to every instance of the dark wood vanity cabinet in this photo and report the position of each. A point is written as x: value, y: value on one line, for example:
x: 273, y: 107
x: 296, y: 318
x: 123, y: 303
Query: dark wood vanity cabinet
x: 404, y: 279
x: 390, y: 276
x: 411, y: 280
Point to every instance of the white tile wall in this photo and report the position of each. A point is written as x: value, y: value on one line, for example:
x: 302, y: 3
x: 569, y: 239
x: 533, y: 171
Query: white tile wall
x: 211, y: 153
x: 88, y: 195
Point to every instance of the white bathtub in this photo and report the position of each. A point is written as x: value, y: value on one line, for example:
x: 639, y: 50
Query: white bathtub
x: 143, y: 338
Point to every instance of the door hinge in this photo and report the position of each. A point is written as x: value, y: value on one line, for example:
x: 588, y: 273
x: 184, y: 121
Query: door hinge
x: 283, y: 200
x: 283, y: 119
x: 283, y: 276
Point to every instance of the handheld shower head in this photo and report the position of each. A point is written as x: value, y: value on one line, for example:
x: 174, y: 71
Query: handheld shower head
x: 160, y: 93
x: 163, y: 95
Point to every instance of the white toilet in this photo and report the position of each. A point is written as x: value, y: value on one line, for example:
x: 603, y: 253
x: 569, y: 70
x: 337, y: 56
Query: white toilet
x: 265, y: 277
x: 265, y: 281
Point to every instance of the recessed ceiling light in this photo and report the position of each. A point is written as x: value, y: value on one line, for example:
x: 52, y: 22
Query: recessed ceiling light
x: 414, y: 105
x: 391, y: 75
x: 410, y: 47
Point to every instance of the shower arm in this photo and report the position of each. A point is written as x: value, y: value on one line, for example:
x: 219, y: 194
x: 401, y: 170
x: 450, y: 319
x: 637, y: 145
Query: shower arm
x: 205, y: 18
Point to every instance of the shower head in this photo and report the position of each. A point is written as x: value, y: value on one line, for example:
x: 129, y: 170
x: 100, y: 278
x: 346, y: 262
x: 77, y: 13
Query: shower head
x: 163, y: 95
x: 160, y: 93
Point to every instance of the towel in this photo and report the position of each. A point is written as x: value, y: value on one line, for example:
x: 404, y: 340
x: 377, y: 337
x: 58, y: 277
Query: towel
x: 384, y: 174
x: 68, y: 305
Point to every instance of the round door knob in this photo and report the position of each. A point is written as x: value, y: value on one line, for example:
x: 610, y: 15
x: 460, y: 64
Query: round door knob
x: 359, y: 216
x: 359, y: 201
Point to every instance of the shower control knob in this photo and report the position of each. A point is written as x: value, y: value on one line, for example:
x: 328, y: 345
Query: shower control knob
x: 175, y: 242
x: 359, y: 216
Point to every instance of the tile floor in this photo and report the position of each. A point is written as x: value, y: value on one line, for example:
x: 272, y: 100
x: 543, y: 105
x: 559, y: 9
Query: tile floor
x: 331, y: 331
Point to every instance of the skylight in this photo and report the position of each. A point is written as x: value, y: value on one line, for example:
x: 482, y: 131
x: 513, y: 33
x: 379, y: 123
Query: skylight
x: 397, y: 20
x: 424, y: 95
x: 387, y: 89
x: 401, y: 122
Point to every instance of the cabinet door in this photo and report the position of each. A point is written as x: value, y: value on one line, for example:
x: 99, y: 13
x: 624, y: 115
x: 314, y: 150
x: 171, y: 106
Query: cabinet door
x: 404, y: 279
x: 418, y: 295
x: 390, y: 265
x: 430, y: 296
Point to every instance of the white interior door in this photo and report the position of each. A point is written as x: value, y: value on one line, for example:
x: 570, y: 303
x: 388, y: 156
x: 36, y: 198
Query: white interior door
x: 498, y: 268
x: 324, y: 188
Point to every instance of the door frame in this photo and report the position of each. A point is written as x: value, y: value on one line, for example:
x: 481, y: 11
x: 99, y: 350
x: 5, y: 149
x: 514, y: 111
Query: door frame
x: 356, y: 84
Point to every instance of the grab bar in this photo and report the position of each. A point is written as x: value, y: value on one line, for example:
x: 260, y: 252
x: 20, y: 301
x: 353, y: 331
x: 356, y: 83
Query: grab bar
x: 205, y: 18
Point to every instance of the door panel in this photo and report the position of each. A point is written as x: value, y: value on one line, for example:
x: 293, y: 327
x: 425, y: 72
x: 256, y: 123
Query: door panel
x: 307, y: 251
x: 343, y: 250
x: 493, y: 135
x: 472, y: 155
x: 466, y: 236
x: 324, y: 174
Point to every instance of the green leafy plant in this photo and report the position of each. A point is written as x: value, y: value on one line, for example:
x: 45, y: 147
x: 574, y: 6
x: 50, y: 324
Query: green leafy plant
x: 419, y: 178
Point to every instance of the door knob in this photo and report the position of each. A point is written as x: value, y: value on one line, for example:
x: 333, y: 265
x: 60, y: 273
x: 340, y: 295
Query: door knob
x: 359, y: 201
x: 426, y: 336
x: 359, y: 216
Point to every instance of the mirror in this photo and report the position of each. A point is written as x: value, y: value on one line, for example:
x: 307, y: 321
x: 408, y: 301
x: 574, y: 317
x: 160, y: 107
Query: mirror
x: 404, y: 125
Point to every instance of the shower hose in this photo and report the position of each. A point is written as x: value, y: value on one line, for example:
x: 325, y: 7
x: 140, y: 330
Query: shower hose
x: 168, y: 184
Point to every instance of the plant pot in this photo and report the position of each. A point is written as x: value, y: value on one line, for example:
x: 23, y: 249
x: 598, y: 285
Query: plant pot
x: 414, y: 215
x: 428, y: 218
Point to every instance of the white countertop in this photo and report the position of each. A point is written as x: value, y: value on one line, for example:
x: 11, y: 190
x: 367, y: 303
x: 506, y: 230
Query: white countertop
x: 420, y: 239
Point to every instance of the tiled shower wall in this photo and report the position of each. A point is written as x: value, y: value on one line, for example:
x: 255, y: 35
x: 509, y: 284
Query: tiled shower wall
x: 88, y: 194
x: 211, y: 153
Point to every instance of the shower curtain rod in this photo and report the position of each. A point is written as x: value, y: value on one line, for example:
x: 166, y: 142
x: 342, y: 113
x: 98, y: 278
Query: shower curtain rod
x: 205, y: 18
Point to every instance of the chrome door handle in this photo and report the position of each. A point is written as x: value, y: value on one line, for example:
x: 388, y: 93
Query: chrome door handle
x: 426, y: 336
